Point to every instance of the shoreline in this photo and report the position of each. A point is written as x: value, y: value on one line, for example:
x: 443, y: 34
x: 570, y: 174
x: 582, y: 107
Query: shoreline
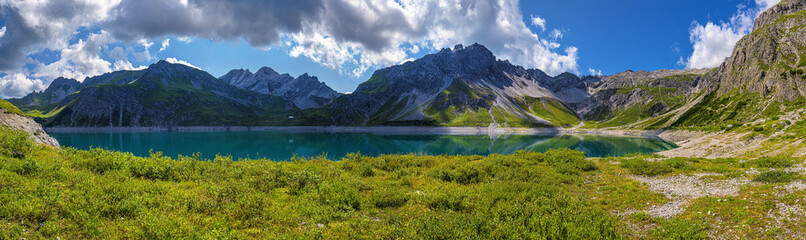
x: 373, y: 130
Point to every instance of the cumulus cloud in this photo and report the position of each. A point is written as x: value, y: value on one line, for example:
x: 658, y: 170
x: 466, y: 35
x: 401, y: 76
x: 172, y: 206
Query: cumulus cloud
x: 177, y: 61
x: 79, y: 60
x: 713, y: 42
x: 539, y: 22
x: 17, y: 85
x: 349, y: 36
x: 37, y: 24
x: 595, y: 72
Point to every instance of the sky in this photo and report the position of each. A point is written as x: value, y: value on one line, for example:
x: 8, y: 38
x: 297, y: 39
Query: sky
x: 344, y: 41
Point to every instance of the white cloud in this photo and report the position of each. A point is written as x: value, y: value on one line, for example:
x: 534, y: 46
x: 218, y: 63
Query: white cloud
x: 425, y: 24
x: 35, y: 25
x: 2, y: 31
x: 556, y: 34
x: 17, y: 85
x: 83, y: 59
x: 539, y: 22
x: 763, y: 5
x: 177, y: 61
x: 594, y: 72
x: 713, y: 43
x: 79, y: 60
x: 185, y: 40
x: 165, y: 44
x: 349, y: 36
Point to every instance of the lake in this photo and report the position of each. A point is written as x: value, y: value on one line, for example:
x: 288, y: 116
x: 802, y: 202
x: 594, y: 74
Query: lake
x: 280, y: 145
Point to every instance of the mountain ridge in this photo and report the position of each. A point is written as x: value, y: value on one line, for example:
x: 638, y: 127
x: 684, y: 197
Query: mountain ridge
x: 304, y: 91
x: 470, y: 86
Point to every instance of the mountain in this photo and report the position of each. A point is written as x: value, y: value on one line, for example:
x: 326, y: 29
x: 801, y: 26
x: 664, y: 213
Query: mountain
x: 304, y: 91
x: 630, y: 98
x: 770, y: 60
x: 58, y: 90
x: 463, y: 86
x: 761, y: 83
x: 164, y: 94
x: 760, y: 86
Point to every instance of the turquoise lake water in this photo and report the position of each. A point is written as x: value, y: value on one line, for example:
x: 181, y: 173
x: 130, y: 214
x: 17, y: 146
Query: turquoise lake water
x: 283, y: 145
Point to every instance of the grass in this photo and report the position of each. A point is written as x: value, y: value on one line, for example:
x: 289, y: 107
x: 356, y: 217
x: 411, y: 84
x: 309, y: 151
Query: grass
x: 68, y: 193
x: 776, y: 176
x: 559, y: 194
x: 552, y: 110
x: 10, y: 108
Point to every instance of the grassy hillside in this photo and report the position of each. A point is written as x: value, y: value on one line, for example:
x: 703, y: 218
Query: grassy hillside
x: 8, y: 107
x: 69, y: 194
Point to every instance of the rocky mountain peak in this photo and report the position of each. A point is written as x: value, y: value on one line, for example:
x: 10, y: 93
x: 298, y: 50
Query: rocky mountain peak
x: 304, y: 91
x: 64, y: 83
x: 267, y: 71
x: 784, y: 8
x: 769, y: 60
x: 165, y: 70
x: 474, y: 52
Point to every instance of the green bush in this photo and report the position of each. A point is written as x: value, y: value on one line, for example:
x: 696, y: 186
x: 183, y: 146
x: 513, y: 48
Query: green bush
x: 776, y: 176
x: 569, y: 161
x: 770, y: 162
x: 676, y: 163
x: 339, y: 194
x: 646, y: 168
x: 465, y: 174
x: 680, y: 229
x: 449, y: 200
x: 388, y: 197
x: 15, y: 143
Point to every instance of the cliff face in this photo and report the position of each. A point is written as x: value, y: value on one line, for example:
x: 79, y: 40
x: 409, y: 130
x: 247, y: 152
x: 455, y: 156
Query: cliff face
x: 772, y: 59
x: 14, y: 120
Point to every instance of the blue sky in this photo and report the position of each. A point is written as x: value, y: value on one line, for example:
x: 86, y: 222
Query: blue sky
x: 343, y: 48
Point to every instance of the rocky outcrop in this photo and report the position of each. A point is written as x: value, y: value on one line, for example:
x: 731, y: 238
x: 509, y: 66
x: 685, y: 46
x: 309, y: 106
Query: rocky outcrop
x: 304, y: 91
x: 772, y: 59
x: 19, y: 122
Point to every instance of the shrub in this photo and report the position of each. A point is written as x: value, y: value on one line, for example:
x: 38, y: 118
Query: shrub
x: 680, y: 229
x: 449, y: 200
x: 776, y: 176
x: 646, y: 168
x: 569, y: 161
x: 388, y: 197
x: 15, y: 143
x: 339, y: 194
x: 301, y: 181
x: 676, y: 163
x: 466, y: 173
x: 770, y: 162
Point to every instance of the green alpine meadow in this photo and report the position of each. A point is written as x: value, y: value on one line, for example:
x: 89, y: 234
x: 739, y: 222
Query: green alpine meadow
x: 416, y: 119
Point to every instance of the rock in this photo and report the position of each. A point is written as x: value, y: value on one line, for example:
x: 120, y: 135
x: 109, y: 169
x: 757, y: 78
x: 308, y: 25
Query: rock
x: 18, y: 122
